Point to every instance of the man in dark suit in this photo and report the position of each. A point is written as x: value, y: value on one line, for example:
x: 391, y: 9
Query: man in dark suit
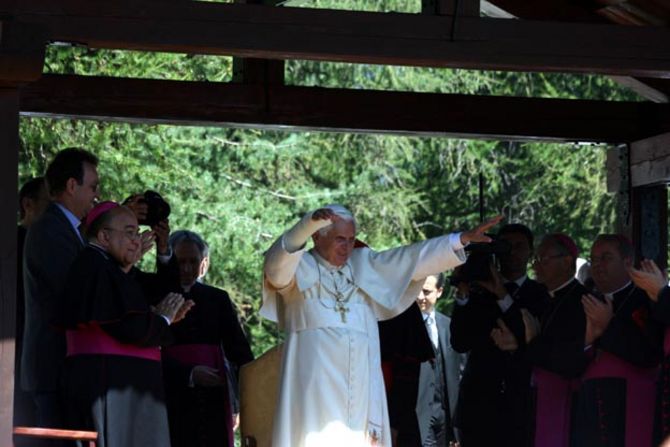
x: 52, y: 243
x: 439, y: 378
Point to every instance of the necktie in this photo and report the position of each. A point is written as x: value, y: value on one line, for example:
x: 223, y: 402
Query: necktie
x: 432, y: 330
x: 511, y: 288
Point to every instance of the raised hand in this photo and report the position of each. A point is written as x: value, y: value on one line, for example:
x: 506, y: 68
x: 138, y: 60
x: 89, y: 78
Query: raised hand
x: 649, y: 278
x: 162, y: 232
x: 325, y: 214
x: 137, y: 205
x: 478, y: 234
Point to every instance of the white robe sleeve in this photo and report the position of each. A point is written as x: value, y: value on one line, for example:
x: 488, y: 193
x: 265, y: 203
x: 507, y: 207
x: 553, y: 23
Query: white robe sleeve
x: 393, y: 278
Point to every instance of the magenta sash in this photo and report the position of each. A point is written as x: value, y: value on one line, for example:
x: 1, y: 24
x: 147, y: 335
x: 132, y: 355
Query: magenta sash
x: 640, y: 394
x: 666, y: 342
x: 553, y: 407
x: 207, y: 355
x: 198, y: 354
x: 91, y: 339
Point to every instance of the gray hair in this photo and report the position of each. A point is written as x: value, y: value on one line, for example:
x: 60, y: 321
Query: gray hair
x: 180, y: 236
x: 341, y: 211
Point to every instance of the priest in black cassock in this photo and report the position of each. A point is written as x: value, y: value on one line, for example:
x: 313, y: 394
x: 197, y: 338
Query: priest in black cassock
x: 556, y: 347
x: 209, y: 347
x: 113, y: 379
x: 655, y: 283
x: 615, y: 399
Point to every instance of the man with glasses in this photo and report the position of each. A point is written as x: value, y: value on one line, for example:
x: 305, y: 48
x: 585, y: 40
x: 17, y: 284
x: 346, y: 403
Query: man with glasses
x: 556, y: 346
x: 615, y: 400
x: 52, y: 244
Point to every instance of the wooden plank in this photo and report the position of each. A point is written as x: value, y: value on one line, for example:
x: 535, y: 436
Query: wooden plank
x: 650, y: 161
x: 311, y: 108
x: 9, y: 162
x: 650, y: 149
x: 360, y: 37
x: 55, y: 433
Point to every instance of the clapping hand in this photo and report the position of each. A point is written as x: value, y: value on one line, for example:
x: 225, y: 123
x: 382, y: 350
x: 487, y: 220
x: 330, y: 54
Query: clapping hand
x: 503, y: 337
x: 183, y: 310
x: 531, y: 324
x: 598, y: 316
x: 169, y: 306
x: 649, y: 278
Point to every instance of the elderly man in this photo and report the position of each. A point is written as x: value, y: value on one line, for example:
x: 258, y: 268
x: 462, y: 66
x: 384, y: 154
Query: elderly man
x: 329, y: 300
x: 557, y: 348
x: 655, y: 282
x: 209, y: 347
x: 113, y: 369
x: 616, y: 395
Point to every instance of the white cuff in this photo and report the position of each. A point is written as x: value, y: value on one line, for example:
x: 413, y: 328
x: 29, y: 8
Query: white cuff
x: 505, y: 303
x: 455, y: 241
x: 167, y: 320
x: 165, y: 259
x: 462, y: 301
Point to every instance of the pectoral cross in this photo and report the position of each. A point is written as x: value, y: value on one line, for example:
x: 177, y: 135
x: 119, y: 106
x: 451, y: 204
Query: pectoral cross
x: 342, y: 309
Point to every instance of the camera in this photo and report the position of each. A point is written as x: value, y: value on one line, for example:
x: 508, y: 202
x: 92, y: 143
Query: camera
x: 157, y: 208
x: 481, y: 258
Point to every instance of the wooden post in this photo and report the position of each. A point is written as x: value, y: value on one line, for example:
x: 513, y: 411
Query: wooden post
x: 9, y: 161
x: 650, y: 223
x: 462, y: 8
x: 258, y: 71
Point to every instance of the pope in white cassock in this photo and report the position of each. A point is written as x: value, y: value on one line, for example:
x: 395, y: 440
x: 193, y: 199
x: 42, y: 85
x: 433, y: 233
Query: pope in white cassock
x: 329, y: 300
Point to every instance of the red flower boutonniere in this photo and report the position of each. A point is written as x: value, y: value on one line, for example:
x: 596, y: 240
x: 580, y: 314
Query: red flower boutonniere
x: 640, y: 317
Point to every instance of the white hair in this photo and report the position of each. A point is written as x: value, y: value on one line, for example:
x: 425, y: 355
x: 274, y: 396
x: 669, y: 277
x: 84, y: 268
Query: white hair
x: 340, y: 211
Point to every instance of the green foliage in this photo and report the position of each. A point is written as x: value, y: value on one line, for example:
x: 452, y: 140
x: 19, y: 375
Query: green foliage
x: 242, y: 188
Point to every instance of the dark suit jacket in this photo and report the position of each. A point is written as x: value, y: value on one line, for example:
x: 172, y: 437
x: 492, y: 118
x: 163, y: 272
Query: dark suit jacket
x: 495, y: 385
x: 51, y: 247
x: 453, y: 365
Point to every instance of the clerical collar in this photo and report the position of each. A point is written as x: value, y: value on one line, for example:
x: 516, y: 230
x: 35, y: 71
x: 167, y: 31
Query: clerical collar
x: 325, y: 263
x: 610, y: 295
x: 553, y: 292
x: 102, y: 251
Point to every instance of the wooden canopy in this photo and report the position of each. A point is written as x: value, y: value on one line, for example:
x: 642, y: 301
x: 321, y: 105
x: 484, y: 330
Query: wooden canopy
x: 629, y: 40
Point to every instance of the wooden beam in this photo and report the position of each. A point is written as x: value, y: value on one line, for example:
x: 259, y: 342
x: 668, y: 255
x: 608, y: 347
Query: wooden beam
x: 650, y: 161
x: 9, y: 162
x: 360, y: 37
x: 305, y: 108
x: 22, y: 48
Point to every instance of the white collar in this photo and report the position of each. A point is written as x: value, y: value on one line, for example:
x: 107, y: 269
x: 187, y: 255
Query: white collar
x: 562, y: 286
x: 610, y: 295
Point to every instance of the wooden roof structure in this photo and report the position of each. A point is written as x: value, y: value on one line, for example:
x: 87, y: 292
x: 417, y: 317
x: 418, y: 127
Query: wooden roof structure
x: 629, y: 40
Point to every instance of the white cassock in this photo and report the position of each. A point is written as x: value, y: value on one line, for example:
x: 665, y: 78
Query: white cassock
x: 331, y: 386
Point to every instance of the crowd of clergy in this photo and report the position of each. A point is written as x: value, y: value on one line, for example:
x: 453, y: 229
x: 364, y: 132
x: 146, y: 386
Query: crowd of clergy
x: 570, y: 357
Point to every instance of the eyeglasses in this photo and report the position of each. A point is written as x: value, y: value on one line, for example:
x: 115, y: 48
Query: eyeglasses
x: 133, y: 235
x: 604, y: 259
x: 544, y: 259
